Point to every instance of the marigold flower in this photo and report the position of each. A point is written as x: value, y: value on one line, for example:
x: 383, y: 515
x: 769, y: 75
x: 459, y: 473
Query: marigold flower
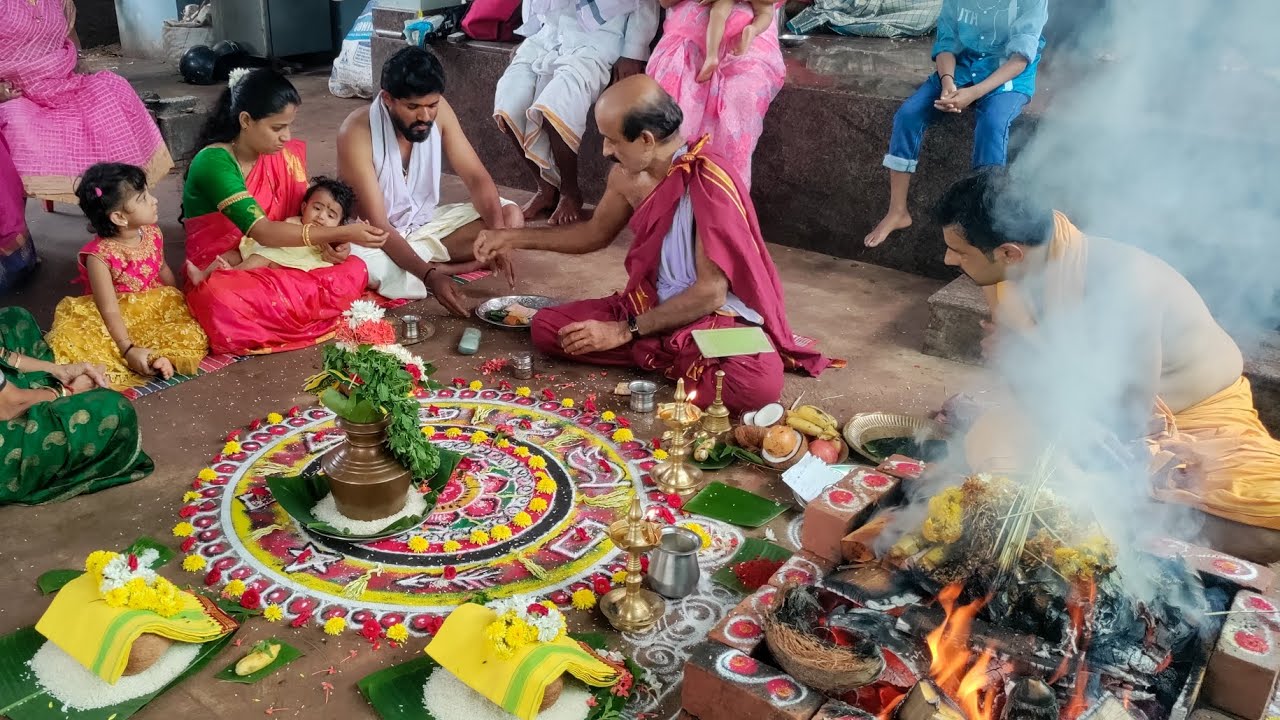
x: 194, y: 563
x: 479, y: 437
x: 701, y: 532
x: 398, y: 633
x: 522, y: 519
x: 545, y: 484
x: 623, y: 435
x: 207, y: 475
x: 660, y: 454
x: 231, y: 448
x: 191, y: 496
x: 273, y: 613
x: 453, y: 432
x: 537, y: 504
x: 503, y: 444
x: 183, y: 529
x: 620, y: 577
x: 479, y: 537
x: 522, y: 451
x: 335, y: 625
x: 418, y: 544
x: 523, y: 391
x: 452, y: 546
x: 608, y: 416
x: 429, y: 430
x: 234, y: 589
x: 583, y: 599
x: 567, y: 402
x: 275, y: 418
x: 501, y: 532
x: 538, y: 463
x: 476, y: 385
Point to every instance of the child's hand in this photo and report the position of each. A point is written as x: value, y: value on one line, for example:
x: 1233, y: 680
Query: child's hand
x: 93, y: 375
x: 137, y: 358
x: 365, y: 235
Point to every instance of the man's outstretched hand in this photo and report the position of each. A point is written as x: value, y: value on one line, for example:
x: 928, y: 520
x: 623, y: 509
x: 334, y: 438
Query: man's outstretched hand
x: 490, y: 244
x: 591, y: 336
x: 446, y: 293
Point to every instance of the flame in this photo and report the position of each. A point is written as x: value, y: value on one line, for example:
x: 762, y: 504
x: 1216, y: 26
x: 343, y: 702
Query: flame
x: 949, y: 657
x: 1079, y: 605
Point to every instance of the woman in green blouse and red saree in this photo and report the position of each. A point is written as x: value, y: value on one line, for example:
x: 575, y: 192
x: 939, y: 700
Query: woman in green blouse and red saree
x: 247, y: 181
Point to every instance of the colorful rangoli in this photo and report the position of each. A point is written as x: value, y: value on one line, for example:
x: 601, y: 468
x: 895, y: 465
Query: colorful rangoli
x: 524, y: 515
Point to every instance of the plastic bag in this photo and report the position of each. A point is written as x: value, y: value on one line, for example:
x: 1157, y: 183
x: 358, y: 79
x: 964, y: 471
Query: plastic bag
x: 352, y: 73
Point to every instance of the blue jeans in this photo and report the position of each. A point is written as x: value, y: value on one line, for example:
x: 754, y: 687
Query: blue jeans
x: 995, y: 113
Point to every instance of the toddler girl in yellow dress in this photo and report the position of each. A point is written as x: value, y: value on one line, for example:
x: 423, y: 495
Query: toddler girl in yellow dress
x: 134, y: 321
x: 327, y: 203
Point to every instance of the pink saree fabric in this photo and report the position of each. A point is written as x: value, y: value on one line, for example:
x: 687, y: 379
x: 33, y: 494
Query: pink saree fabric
x: 731, y: 106
x: 65, y: 122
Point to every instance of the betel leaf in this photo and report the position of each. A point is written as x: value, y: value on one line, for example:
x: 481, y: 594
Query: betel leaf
x: 751, y: 549
x: 21, y: 698
x: 733, y: 505
x: 54, y: 580
x: 287, y: 654
x: 723, y: 455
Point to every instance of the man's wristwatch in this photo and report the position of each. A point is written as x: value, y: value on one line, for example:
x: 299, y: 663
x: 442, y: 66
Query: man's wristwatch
x: 633, y: 326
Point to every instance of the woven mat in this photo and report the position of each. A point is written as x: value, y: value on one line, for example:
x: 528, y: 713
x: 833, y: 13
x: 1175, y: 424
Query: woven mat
x: 213, y: 363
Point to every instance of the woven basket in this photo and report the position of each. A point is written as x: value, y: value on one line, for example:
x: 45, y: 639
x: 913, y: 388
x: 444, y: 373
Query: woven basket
x: 827, y: 668
x: 552, y: 693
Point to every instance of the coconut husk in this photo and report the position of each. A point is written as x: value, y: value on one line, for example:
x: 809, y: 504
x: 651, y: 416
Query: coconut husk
x: 552, y: 693
x: 750, y: 437
x: 146, y: 650
x: 824, y: 666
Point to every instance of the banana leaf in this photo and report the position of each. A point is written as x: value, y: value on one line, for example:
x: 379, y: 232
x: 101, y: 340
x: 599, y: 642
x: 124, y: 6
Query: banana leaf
x: 751, y: 549
x: 53, y: 580
x: 21, y: 697
x: 297, y: 494
x: 733, y: 505
x: 287, y: 654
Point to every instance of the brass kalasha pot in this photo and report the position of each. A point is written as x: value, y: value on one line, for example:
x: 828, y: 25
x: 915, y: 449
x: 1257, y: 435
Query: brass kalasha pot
x: 367, y: 481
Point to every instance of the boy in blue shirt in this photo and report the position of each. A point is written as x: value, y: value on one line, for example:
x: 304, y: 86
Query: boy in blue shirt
x: 986, y: 54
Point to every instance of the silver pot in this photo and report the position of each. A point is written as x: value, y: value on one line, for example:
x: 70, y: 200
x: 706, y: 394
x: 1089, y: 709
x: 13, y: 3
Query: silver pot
x: 673, y: 565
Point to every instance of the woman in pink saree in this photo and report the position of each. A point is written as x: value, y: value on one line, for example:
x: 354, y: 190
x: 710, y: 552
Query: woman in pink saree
x: 730, y: 107
x: 58, y: 122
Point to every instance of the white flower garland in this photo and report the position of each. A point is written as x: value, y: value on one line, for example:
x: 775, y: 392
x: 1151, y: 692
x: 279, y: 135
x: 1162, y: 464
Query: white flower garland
x: 549, y: 625
x: 363, y: 311
x: 117, y: 574
x: 399, y: 352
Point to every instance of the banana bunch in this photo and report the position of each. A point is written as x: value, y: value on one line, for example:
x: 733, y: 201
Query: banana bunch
x: 814, y: 422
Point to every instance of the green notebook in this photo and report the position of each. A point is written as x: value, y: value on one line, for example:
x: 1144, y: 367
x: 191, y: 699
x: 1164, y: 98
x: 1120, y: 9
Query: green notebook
x: 732, y: 341
x: 732, y: 505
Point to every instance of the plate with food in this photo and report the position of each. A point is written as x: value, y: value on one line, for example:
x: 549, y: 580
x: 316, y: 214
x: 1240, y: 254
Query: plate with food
x: 513, y: 311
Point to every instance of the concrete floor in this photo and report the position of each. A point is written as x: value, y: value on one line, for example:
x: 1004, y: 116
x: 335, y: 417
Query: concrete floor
x: 870, y: 316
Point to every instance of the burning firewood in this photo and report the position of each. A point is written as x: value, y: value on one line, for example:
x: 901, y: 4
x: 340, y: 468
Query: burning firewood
x: 859, y: 545
x: 926, y: 702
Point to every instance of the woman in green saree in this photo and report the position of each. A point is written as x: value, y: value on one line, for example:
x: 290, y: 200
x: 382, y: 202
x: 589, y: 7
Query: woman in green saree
x: 62, y: 432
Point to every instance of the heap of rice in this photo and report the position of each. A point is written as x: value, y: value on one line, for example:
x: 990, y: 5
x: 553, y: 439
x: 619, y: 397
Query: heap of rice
x: 327, y: 511
x: 447, y: 698
x: 75, y: 687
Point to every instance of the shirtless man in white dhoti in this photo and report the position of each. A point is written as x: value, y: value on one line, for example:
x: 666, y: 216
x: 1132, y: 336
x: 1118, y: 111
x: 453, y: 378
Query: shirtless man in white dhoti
x: 572, y: 49
x: 390, y: 153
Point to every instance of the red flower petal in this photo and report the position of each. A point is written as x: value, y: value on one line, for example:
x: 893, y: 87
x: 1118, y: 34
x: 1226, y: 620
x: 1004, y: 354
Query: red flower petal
x: 301, y: 620
x: 251, y: 599
x: 295, y: 411
x: 450, y: 572
x: 458, y: 382
x: 601, y: 586
x: 548, y: 394
x: 674, y: 501
x: 624, y: 422
x: 188, y: 544
x: 657, y: 443
x: 580, y: 534
x: 537, y: 609
x: 213, y: 578
x: 187, y: 511
x: 233, y: 435
x: 589, y: 405
x: 255, y: 424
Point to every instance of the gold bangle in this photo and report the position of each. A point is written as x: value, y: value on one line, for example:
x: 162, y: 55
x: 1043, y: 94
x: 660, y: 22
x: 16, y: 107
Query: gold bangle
x: 306, y: 236
x: 56, y: 396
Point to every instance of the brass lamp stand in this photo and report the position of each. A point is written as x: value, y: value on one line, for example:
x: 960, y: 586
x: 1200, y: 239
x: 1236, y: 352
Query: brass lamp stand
x: 715, y: 421
x: 676, y: 475
x: 631, y: 608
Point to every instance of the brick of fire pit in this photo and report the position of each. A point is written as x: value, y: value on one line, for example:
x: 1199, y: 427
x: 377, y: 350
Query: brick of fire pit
x: 721, y: 683
x: 1241, y: 573
x: 841, y: 508
x: 902, y: 467
x: 803, y: 568
x: 743, y: 628
x: 1246, y: 662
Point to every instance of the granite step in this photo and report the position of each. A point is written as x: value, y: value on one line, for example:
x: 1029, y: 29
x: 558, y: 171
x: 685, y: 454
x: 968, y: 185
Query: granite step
x: 955, y: 333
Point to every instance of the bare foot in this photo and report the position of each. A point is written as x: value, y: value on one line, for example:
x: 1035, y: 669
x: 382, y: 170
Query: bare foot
x: 708, y: 69
x: 568, y: 210
x: 895, y: 220
x: 541, y: 203
x: 163, y: 366
x: 195, y: 275
x: 745, y: 40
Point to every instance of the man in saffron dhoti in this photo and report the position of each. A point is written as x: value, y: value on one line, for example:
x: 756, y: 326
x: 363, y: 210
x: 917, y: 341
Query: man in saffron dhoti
x: 391, y: 153
x: 543, y: 98
x: 1086, y: 316
x: 698, y: 261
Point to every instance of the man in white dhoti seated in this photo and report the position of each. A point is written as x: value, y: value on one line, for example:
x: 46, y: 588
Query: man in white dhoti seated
x: 543, y: 98
x: 391, y: 152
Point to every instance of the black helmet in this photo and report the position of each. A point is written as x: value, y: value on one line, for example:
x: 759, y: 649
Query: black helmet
x: 197, y: 65
x: 226, y: 47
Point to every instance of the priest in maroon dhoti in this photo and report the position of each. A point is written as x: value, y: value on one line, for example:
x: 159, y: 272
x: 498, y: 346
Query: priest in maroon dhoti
x: 698, y: 261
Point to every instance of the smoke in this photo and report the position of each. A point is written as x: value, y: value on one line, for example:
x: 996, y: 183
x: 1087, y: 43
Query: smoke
x: 1158, y: 134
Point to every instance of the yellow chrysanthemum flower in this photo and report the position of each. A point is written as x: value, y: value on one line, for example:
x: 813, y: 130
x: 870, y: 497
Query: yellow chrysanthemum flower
x: 207, y: 475
x: 701, y: 532
x: 418, y: 544
x: 452, y: 546
x: 537, y: 504
x: 546, y: 484
x: 623, y: 435
x: 398, y: 633
x: 97, y: 560
x: 479, y: 437
x: 660, y: 454
x: 501, y: 532
x: 548, y: 605
x: 608, y: 416
x: 273, y: 613
x: 183, y: 529
x: 567, y: 402
x: 538, y: 462
x: 234, y: 589
x: 503, y: 444
x: 522, y: 519
x: 479, y: 537
x: 522, y: 451
x: 191, y: 496
x: 231, y: 448
x: 194, y: 563
x: 453, y: 433
x: 275, y: 418
x: 335, y: 626
x: 619, y: 577
x: 583, y: 599
x: 429, y: 430
x: 476, y: 385
x: 523, y: 391
x: 117, y: 597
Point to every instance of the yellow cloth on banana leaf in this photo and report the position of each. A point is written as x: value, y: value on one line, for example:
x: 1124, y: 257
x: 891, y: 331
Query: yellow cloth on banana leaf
x: 100, y: 637
x: 516, y: 684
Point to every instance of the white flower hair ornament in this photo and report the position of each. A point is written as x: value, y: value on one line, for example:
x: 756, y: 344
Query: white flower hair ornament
x: 236, y: 76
